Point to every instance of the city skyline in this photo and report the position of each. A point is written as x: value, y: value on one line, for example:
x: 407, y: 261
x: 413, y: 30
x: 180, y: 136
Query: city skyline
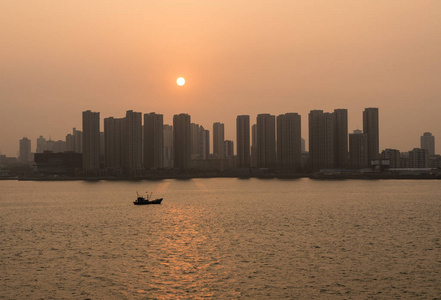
x: 69, y: 139
x: 252, y: 57
x: 230, y: 129
x: 129, y: 147
x: 291, y: 149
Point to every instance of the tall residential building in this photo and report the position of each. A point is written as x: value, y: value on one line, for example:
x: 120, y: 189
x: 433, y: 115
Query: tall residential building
x: 195, y: 137
x: 404, y: 159
x: 181, y: 141
x: 41, y: 144
x: 371, y: 128
x: 434, y: 162
x: 303, y: 145
x: 59, y: 146
x: 25, y: 155
x: 78, y: 140
x: 153, y: 141
x: 418, y: 158
x: 204, y: 143
x: 168, y: 146
x: 91, y: 142
x: 218, y: 140
x: 341, y: 138
x: 243, y: 141
x: 73, y: 141
x: 266, y: 141
x: 70, y: 143
x: 393, y: 156
x: 428, y: 143
x: 113, y: 133
x: 132, y: 143
x: 321, y: 140
x: 254, y: 146
x: 228, y: 149
x: 358, y: 154
x: 289, y: 142
x: 50, y: 145
x: 102, y: 150
x: 200, y: 141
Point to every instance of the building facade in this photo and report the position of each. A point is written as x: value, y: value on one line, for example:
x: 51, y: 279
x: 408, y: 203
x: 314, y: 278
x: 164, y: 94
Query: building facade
x: 204, y: 143
x: 113, y: 143
x: 181, y: 141
x: 289, y: 142
x: 254, y: 146
x: 25, y: 155
x: 321, y: 140
x: 266, y: 141
x: 358, y: 154
x: 132, y: 144
x: 195, y: 140
x: 418, y: 158
x: 428, y: 143
x: 371, y: 128
x: 91, y: 142
x: 228, y: 149
x: 218, y: 140
x: 243, y: 141
x: 341, y: 138
x: 393, y: 156
x: 168, y: 146
x: 153, y: 141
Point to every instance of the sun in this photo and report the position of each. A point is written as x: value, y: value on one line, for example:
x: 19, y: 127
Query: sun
x: 180, y: 81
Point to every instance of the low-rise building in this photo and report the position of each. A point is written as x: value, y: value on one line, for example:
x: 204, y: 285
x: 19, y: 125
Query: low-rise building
x: 49, y: 163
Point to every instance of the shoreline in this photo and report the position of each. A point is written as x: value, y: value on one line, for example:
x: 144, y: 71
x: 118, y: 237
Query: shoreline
x: 368, y: 176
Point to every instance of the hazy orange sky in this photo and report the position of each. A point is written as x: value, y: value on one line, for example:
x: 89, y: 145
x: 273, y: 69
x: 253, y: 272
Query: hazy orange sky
x: 59, y: 58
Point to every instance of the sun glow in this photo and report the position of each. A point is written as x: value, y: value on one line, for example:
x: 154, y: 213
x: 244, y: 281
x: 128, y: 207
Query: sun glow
x: 180, y: 81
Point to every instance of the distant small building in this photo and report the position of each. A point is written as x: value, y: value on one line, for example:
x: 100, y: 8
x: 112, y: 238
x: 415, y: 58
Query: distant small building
x: 5, y: 161
x: 428, y: 143
x: 214, y: 164
x: 404, y: 160
x: 168, y: 146
x: 435, y: 161
x: 228, y: 148
x: 358, y: 146
x: 25, y: 150
x: 49, y: 163
x: 418, y: 158
x: 393, y: 156
x: 4, y: 173
x: 414, y: 171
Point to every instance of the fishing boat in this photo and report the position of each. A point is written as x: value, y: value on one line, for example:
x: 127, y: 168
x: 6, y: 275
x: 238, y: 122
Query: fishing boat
x: 146, y: 200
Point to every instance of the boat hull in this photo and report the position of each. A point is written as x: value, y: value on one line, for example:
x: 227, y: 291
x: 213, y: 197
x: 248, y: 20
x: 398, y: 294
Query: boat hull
x: 147, y: 202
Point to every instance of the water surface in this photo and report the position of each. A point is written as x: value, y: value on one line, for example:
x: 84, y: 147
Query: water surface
x: 221, y: 238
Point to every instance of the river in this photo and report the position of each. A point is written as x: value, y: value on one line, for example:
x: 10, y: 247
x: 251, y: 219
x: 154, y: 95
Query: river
x: 221, y: 238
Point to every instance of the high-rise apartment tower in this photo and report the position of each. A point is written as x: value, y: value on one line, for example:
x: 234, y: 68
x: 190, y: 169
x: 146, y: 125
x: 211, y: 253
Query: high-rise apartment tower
x: 428, y: 143
x: 243, y: 141
x: 132, y: 143
x: 218, y: 140
x: 91, y: 142
x: 181, y: 141
x: 289, y: 142
x: 24, y: 150
x: 358, y: 155
x: 371, y: 128
x: 266, y: 141
x: 341, y: 138
x: 321, y: 140
x: 153, y: 141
